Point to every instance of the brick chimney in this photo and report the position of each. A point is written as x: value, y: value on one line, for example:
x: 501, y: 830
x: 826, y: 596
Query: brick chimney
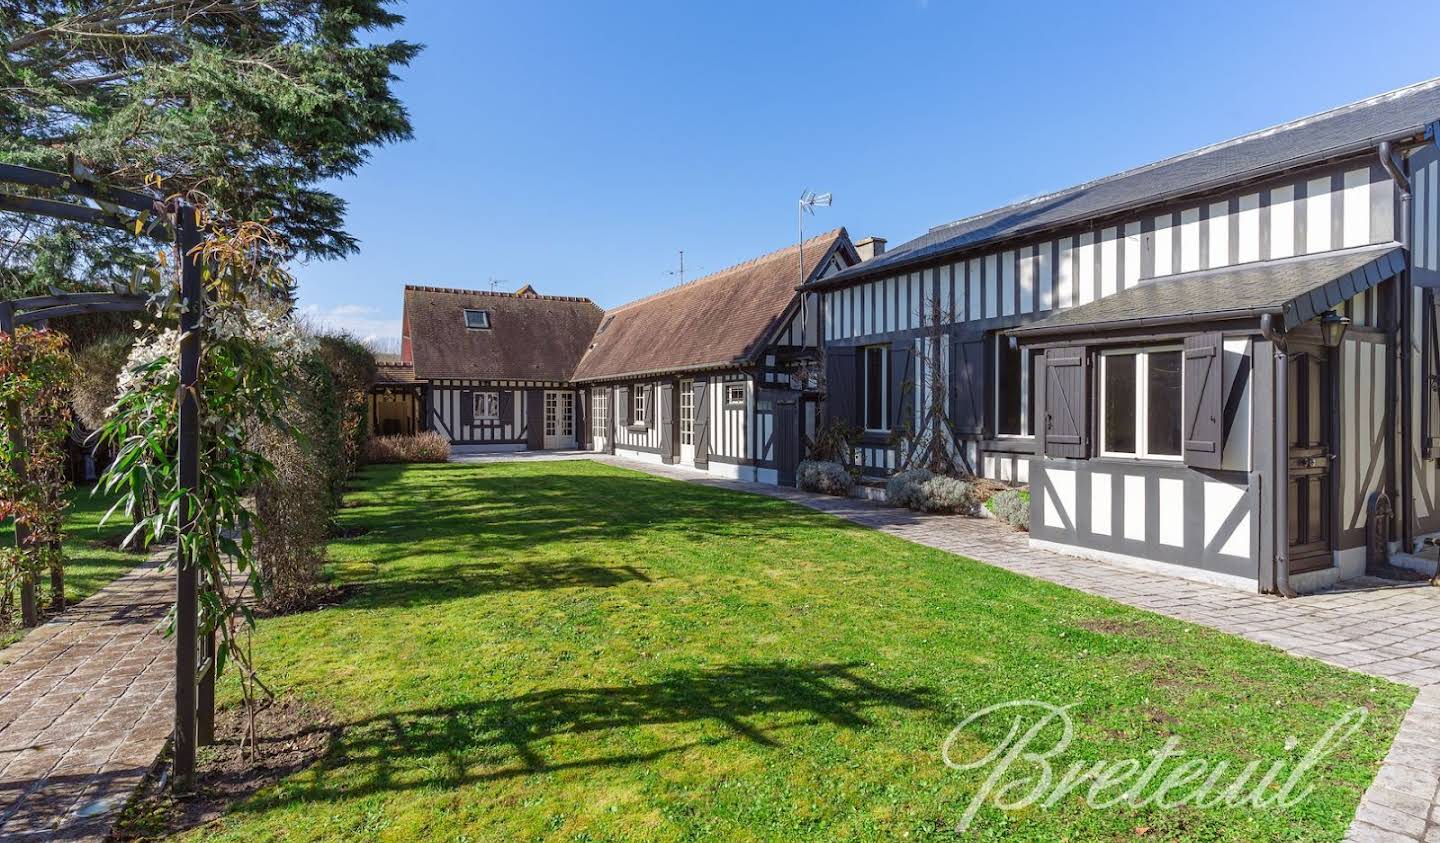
x: 870, y: 247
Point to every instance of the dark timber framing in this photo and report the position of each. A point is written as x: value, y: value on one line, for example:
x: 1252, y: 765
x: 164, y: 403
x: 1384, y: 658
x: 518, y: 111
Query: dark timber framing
x: 1169, y: 257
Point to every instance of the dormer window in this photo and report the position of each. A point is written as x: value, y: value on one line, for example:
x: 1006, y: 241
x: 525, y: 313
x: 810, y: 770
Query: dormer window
x: 477, y: 320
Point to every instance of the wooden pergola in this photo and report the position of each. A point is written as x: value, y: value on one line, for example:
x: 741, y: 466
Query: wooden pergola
x: 172, y: 223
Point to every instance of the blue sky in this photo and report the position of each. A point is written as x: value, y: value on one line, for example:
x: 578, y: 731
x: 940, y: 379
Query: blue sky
x: 578, y: 146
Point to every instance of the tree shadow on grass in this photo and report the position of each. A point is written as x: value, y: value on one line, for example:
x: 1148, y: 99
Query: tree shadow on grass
x: 580, y: 728
x: 460, y: 580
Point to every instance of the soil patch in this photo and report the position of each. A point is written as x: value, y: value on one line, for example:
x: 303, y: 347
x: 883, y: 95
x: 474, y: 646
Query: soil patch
x: 292, y: 735
x: 1116, y: 626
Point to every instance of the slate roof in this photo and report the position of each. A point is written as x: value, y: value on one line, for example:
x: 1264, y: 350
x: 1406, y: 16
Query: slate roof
x: 1299, y: 288
x: 531, y: 337
x: 719, y: 320
x: 1329, y: 135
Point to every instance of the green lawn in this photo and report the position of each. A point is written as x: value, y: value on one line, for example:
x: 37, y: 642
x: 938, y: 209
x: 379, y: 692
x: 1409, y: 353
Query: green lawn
x: 91, y: 559
x: 573, y: 651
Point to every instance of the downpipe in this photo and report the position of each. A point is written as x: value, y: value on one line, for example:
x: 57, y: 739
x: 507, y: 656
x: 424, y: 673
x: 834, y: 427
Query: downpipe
x: 1280, y: 564
x: 1405, y: 294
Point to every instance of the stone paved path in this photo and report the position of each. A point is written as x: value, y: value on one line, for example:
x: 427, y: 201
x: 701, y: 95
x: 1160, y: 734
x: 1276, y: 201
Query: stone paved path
x: 1377, y: 627
x: 85, y: 709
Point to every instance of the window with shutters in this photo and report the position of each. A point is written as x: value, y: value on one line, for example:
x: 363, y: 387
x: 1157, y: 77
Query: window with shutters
x: 1015, y: 374
x: 637, y: 411
x: 877, y: 387
x: 1141, y: 403
x: 487, y: 406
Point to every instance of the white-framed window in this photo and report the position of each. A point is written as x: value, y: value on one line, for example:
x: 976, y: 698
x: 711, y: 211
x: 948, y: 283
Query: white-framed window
x: 1015, y: 384
x: 735, y: 394
x: 637, y: 404
x: 487, y: 406
x: 877, y: 387
x: 1142, y: 403
x: 687, y: 412
x: 477, y: 320
x: 600, y: 411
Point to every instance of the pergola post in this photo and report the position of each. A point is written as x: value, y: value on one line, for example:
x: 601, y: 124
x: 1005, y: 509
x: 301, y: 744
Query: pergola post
x: 186, y: 573
x: 29, y: 611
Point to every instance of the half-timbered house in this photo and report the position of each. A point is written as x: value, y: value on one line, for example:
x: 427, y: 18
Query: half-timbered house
x: 489, y: 370
x: 1220, y: 365
x: 718, y: 373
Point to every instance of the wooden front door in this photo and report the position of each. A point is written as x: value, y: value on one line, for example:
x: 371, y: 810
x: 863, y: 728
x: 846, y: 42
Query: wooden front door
x: 787, y: 438
x: 1310, y: 459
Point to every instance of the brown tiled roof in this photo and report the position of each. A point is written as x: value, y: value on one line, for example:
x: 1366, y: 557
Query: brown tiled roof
x: 719, y: 320
x: 393, y: 372
x: 531, y: 337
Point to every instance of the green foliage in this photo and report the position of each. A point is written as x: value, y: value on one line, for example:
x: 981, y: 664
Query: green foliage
x: 35, y: 374
x: 1011, y: 506
x: 352, y: 369
x: 522, y: 658
x: 256, y: 105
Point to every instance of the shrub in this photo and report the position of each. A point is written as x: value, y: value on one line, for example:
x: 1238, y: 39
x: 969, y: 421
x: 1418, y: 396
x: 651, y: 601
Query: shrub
x: 903, y: 488
x: 835, y: 441
x: 428, y: 446
x: 945, y: 494
x: 827, y: 478
x: 352, y: 368
x: 1011, y: 506
x: 97, y: 368
x: 296, y: 500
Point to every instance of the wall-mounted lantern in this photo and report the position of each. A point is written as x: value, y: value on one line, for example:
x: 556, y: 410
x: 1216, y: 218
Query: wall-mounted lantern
x: 1332, y: 328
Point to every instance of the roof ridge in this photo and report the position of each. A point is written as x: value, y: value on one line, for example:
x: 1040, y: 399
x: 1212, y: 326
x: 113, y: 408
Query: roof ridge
x: 832, y: 233
x: 1397, y: 93
x: 426, y: 288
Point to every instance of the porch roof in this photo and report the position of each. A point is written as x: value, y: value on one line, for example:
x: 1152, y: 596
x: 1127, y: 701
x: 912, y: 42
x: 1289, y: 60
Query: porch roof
x: 1298, y: 289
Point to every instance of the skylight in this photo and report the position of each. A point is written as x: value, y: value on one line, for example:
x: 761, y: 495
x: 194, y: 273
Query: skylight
x: 477, y: 319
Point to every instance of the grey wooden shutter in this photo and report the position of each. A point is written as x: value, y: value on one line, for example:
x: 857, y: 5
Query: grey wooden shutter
x: 651, y: 410
x: 467, y: 407
x: 1067, y: 409
x: 669, y: 432
x: 702, y: 423
x: 1203, y: 430
x: 623, y: 407
x: 967, y: 386
x: 535, y: 419
x: 901, y: 400
x: 507, y: 407
x: 841, y: 387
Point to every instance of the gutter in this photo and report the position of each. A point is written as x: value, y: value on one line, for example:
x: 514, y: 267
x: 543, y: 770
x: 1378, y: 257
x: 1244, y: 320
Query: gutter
x: 1280, y: 462
x: 1404, y: 342
x: 1335, y: 154
x: 1023, y: 333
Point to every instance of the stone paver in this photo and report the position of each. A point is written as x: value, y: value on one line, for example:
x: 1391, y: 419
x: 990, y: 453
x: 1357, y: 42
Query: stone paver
x: 1379, y: 627
x: 85, y: 709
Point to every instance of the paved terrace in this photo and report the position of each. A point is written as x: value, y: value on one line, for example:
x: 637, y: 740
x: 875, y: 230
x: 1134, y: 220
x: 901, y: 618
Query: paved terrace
x: 85, y: 709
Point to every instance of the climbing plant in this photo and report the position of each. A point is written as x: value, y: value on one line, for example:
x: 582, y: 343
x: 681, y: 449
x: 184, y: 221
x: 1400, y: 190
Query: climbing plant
x: 251, y: 347
x: 35, y: 380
